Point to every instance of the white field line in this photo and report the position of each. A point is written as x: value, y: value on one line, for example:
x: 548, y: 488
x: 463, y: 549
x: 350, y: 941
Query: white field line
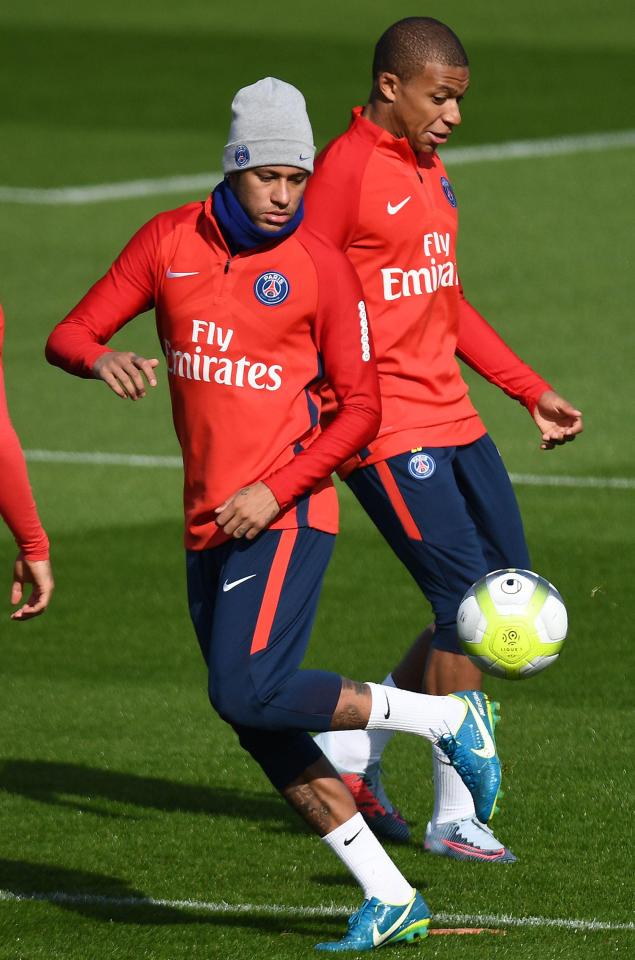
x: 279, y: 909
x: 482, y: 153
x: 144, y: 460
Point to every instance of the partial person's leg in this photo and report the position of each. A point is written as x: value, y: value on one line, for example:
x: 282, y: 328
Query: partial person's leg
x: 423, y: 516
x: 291, y: 759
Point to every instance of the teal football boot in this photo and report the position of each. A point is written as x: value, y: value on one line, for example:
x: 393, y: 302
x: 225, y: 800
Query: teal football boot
x: 378, y: 924
x: 472, y: 751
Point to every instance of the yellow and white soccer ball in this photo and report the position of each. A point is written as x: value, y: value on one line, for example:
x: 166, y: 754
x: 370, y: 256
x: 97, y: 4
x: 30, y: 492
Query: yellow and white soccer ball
x: 512, y: 623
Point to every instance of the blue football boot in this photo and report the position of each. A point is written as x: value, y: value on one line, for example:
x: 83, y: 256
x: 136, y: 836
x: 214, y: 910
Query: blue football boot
x: 378, y: 924
x: 472, y: 751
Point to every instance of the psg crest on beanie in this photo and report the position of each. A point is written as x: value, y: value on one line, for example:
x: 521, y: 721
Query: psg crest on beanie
x: 241, y: 155
x: 271, y: 288
x: 448, y: 191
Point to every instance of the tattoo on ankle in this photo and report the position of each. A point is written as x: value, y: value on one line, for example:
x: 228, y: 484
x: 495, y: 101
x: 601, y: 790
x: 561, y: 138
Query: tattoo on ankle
x: 352, y: 709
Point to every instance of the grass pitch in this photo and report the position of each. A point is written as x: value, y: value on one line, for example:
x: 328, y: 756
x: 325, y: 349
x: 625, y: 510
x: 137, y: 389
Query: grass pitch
x: 116, y: 780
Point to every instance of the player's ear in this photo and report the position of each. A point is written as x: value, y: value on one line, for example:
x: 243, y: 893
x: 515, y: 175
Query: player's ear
x: 387, y: 85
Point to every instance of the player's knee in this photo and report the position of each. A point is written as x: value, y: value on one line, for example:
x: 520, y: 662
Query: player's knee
x: 237, y: 702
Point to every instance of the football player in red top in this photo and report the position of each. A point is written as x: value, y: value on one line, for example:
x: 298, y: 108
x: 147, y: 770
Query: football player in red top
x: 253, y: 312
x: 19, y: 512
x: 432, y: 480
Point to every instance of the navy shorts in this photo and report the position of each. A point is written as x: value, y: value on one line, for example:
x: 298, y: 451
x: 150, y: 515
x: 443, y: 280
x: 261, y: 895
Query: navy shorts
x: 253, y: 603
x: 450, y: 515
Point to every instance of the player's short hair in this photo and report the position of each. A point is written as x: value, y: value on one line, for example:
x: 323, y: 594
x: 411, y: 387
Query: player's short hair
x: 408, y: 45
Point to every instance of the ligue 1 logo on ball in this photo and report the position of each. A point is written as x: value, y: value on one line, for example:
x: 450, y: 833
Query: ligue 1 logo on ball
x: 271, y: 288
x: 448, y: 191
x: 241, y: 155
x: 421, y: 466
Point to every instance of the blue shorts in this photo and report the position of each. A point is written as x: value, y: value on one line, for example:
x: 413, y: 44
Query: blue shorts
x: 450, y: 515
x: 253, y: 603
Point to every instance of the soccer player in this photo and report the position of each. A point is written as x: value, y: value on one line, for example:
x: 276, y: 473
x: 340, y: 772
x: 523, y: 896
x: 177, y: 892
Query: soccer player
x: 252, y: 312
x: 432, y: 480
x: 17, y: 508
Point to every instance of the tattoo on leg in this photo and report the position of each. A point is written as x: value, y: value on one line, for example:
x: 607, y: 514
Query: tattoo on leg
x: 313, y: 811
x: 352, y: 706
x: 361, y: 689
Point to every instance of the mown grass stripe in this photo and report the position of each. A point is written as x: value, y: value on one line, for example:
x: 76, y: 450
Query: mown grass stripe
x: 272, y: 909
x: 481, y: 153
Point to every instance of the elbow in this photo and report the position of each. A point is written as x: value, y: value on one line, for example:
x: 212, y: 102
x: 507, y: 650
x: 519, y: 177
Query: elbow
x: 373, y: 421
x: 50, y: 351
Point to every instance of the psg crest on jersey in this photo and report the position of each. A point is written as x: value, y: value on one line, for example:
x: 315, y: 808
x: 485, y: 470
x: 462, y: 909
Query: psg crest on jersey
x: 421, y: 466
x: 271, y: 288
x: 241, y: 155
x: 448, y: 191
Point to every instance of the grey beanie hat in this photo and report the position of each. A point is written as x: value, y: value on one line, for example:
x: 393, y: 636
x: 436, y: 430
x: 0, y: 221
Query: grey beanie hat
x: 270, y: 126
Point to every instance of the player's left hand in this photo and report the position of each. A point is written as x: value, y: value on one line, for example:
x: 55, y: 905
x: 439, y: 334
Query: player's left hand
x: 40, y: 574
x: 558, y: 421
x: 248, y: 511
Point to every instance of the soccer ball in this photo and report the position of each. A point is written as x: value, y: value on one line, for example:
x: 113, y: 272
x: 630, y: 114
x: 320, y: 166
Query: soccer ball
x: 512, y: 623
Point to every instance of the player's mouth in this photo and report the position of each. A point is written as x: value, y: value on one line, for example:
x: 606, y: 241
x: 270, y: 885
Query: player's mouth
x: 276, y: 219
x: 438, y: 138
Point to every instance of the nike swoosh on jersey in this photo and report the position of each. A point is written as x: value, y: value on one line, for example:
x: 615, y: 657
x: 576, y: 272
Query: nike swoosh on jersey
x: 392, y: 210
x: 488, y: 750
x: 227, y: 586
x: 380, y: 937
x: 171, y: 274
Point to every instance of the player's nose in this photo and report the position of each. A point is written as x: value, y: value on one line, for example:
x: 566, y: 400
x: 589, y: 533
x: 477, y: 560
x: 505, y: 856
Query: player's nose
x: 280, y: 194
x: 452, y: 113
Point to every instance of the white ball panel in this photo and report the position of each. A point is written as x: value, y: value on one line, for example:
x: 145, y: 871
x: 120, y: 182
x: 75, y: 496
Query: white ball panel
x: 554, y: 617
x: 537, y: 664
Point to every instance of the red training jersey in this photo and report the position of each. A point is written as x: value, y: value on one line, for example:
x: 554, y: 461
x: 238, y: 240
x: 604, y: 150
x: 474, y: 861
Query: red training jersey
x: 394, y: 215
x: 17, y: 505
x: 247, y: 339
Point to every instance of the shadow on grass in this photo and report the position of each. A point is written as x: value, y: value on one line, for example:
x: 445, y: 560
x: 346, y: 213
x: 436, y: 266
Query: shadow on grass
x: 84, y: 788
x: 109, y: 899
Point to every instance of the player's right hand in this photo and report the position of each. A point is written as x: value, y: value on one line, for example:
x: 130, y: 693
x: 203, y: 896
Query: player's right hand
x: 124, y: 371
x: 40, y: 574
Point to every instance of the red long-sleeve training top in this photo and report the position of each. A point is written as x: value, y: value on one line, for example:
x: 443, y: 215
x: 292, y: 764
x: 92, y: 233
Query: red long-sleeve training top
x: 395, y: 216
x: 247, y: 340
x: 17, y: 505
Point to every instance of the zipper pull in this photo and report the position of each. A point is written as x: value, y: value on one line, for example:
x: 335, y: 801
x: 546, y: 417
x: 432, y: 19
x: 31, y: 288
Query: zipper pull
x: 227, y: 263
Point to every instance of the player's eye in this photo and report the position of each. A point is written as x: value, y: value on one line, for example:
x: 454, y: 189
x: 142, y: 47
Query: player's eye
x: 439, y: 100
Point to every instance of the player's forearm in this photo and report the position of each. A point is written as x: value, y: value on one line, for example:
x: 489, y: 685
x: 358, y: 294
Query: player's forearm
x: 354, y: 426
x: 74, y: 347
x: 17, y: 506
x: 487, y: 353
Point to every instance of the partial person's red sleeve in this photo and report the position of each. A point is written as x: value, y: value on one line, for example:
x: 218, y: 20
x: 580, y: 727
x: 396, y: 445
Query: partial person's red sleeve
x: 17, y: 506
x: 486, y: 352
x: 343, y: 339
x: 124, y: 292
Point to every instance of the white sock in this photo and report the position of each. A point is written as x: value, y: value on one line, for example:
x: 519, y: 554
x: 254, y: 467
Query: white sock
x: 452, y: 799
x: 352, y: 751
x: 360, y: 850
x: 430, y: 717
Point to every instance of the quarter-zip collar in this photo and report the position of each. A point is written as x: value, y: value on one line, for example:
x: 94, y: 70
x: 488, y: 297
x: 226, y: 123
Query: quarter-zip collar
x: 387, y: 142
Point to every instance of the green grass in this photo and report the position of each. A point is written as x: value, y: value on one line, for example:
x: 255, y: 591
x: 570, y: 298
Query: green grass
x: 116, y: 779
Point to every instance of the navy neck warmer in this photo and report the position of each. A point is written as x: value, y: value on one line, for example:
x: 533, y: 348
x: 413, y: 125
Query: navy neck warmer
x: 239, y: 232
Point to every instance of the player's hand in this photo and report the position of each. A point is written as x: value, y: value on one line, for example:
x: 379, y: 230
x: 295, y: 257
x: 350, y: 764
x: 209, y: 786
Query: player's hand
x: 248, y: 511
x: 124, y: 371
x: 557, y: 420
x: 40, y: 574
